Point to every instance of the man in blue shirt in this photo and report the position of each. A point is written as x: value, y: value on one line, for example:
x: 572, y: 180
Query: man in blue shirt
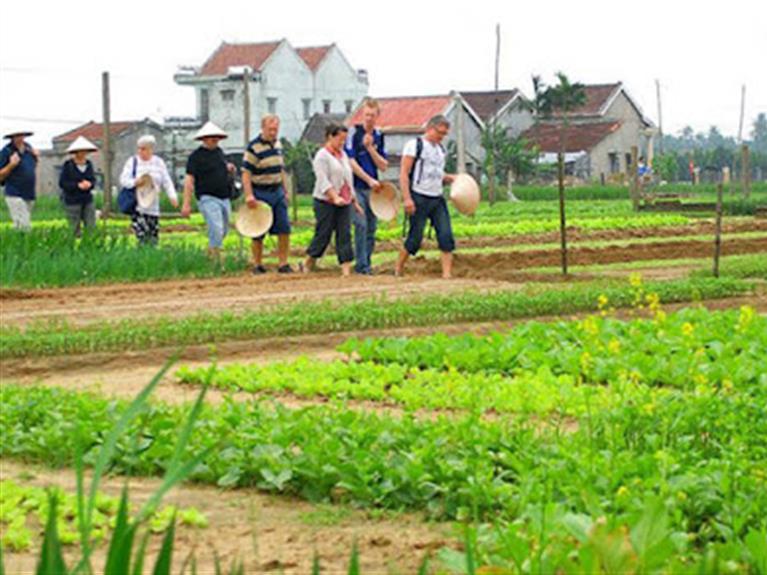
x: 365, y: 148
x: 18, y: 164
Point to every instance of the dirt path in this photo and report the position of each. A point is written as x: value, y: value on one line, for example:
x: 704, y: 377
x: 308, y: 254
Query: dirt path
x: 502, y: 266
x: 270, y: 533
x: 81, y: 305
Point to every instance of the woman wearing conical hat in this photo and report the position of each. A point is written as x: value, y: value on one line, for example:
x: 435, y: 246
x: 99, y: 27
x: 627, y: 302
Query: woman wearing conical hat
x: 76, y: 181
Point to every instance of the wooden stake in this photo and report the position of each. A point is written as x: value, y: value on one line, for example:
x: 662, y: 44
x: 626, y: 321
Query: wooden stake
x: 562, y: 219
x: 746, y: 168
x: 742, y: 113
x: 106, y: 144
x: 634, y: 177
x: 718, y: 236
x: 459, y: 136
x: 293, y: 195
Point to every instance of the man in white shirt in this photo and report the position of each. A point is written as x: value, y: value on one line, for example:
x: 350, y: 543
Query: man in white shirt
x: 421, y: 178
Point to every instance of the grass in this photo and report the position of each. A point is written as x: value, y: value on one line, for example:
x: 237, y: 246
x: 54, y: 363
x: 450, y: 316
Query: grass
x: 322, y: 317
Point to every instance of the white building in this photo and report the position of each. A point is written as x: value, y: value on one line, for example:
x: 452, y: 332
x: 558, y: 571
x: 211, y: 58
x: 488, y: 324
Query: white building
x: 292, y: 83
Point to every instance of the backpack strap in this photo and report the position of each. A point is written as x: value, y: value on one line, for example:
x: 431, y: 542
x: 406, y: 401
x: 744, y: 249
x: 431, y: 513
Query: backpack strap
x: 357, y: 136
x: 418, y: 154
x: 135, y: 161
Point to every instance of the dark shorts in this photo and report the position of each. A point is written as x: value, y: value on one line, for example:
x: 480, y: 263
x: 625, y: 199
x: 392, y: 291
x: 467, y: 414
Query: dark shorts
x: 434, y: 210
x: 275, y: 198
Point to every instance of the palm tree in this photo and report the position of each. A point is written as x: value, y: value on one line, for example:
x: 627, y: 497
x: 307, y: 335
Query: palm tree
x: 558, y: 102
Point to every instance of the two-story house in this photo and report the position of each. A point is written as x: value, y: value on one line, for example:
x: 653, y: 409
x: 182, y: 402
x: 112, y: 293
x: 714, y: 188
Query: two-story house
x: 294, y: 83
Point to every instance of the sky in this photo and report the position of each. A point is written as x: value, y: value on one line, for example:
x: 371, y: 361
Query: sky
x: 52, y: 54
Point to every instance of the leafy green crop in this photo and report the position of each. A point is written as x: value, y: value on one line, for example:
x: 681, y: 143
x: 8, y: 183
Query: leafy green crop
x: 323, y: 317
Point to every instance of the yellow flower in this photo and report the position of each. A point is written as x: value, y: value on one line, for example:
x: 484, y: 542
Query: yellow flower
x: 602, y: 301
x: 614, y: 346
x: 660, y: 317
x: 589, y: 325
x: 622, y: 491
x: 727, y: 385
x: 681, y: 496
x: 688, y: 329
x: 635, y: 280
x: 747, y: 314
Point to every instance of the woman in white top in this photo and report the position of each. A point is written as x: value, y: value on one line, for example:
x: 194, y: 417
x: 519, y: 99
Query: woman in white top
x: 334, y: 198
x: 148, y: 174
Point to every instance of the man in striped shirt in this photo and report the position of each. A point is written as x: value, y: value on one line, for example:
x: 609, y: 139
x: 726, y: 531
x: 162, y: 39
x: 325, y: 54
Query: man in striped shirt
x: 263, y: 179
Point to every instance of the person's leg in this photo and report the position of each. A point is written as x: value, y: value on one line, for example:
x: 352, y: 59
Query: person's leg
x: 27, y: 223
x: 213, y: 215
x: 415, y: 233
x: 371, y: 239
x: 281, y: 228
x: 153, y: 229
x: 139, y: 227
x: 89, y: 215
x: 257, y: 254
x: 360, y: 221
x: 73, y: 213
x: 344, y: 250
x: 323, y: 229
x: 440, y: 220
x: 19, y: 212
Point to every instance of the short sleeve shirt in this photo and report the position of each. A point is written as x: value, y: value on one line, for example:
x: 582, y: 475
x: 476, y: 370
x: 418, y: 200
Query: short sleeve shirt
x: 264, y: 162
x: 208, y: 168
x: 361, y: 155
x: 429, y: 170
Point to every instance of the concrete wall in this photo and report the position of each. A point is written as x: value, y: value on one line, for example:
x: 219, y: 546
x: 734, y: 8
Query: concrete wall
x: 516, y: 119
x: 287, y: 79
x: 337, y: 81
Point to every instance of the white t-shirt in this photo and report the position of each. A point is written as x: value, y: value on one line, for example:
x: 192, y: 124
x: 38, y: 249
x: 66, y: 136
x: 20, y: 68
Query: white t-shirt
x: 429, y: 169
x: 161, y: 179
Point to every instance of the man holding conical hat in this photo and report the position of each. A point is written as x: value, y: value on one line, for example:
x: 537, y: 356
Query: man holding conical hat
x: 422, y: 175
x: 18, y: 168
x: 365, y: 149
x: 263, y: 180
x: 76, y: 180
x: 210, y: 177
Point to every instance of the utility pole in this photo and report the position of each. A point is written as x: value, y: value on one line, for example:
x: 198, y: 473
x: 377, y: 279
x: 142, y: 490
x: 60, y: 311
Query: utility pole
x: 246, y: 105
x: 660, y: 118
x: 491, y: 171
x: 106, y: 146
x: 742, y: 113
x: 459, y: 139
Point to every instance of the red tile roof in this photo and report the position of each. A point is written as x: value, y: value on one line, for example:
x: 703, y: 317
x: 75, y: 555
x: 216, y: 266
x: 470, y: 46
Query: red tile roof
x: 228, y: 55
x: 405, y: 114
x: 597, y: 96
x: 577, y: 136
x: 313, y: 55
x: 488, y: 104
x: 95, y: 131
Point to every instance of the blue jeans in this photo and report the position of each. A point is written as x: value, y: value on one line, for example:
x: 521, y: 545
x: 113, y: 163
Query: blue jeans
x: 216, y: 212
x: 435, y: 210
x: 364, y: 232
x: 274, y: 196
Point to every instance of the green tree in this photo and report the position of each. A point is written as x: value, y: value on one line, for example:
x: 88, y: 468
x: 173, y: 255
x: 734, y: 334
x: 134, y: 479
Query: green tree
x: 298, y: 159
x: 509, y: 154
x: 558, y: 102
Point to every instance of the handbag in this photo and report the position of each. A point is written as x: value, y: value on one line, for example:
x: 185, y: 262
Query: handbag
x: 126, y: 199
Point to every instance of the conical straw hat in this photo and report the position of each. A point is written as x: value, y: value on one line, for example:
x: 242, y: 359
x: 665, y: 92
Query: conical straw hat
x: 464, y: 193
x: 385, y: 202
x: 254, y: 222
x: 210, y: 130
x: 82, y: 144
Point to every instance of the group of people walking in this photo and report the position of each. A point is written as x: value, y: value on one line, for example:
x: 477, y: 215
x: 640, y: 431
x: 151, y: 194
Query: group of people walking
x: 346, y: 170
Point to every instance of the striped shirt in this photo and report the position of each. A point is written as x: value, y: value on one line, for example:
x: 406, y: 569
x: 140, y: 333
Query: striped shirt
x: 263, y: 161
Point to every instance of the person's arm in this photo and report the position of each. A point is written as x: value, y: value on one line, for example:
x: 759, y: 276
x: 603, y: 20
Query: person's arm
x: 127, y: 180
x: 378, y: 159
x: 9, y: 163
x: 285, y: 189
x: 168, y: 185
x: 66, y: 181
x: 186, y: 207
x: 322, y: 173
x: 363, y: 175
x: 448, y: 178
x: 404, y: 183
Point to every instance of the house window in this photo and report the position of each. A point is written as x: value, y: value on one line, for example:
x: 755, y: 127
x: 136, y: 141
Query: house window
x: 204, y: 105
x: 628, y: 163
x: 615, y: 165
x: 326, y: 106
x: 349, y: 104
x: 227, y: 95
x: 271, y: 105
x: 307, y: 108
